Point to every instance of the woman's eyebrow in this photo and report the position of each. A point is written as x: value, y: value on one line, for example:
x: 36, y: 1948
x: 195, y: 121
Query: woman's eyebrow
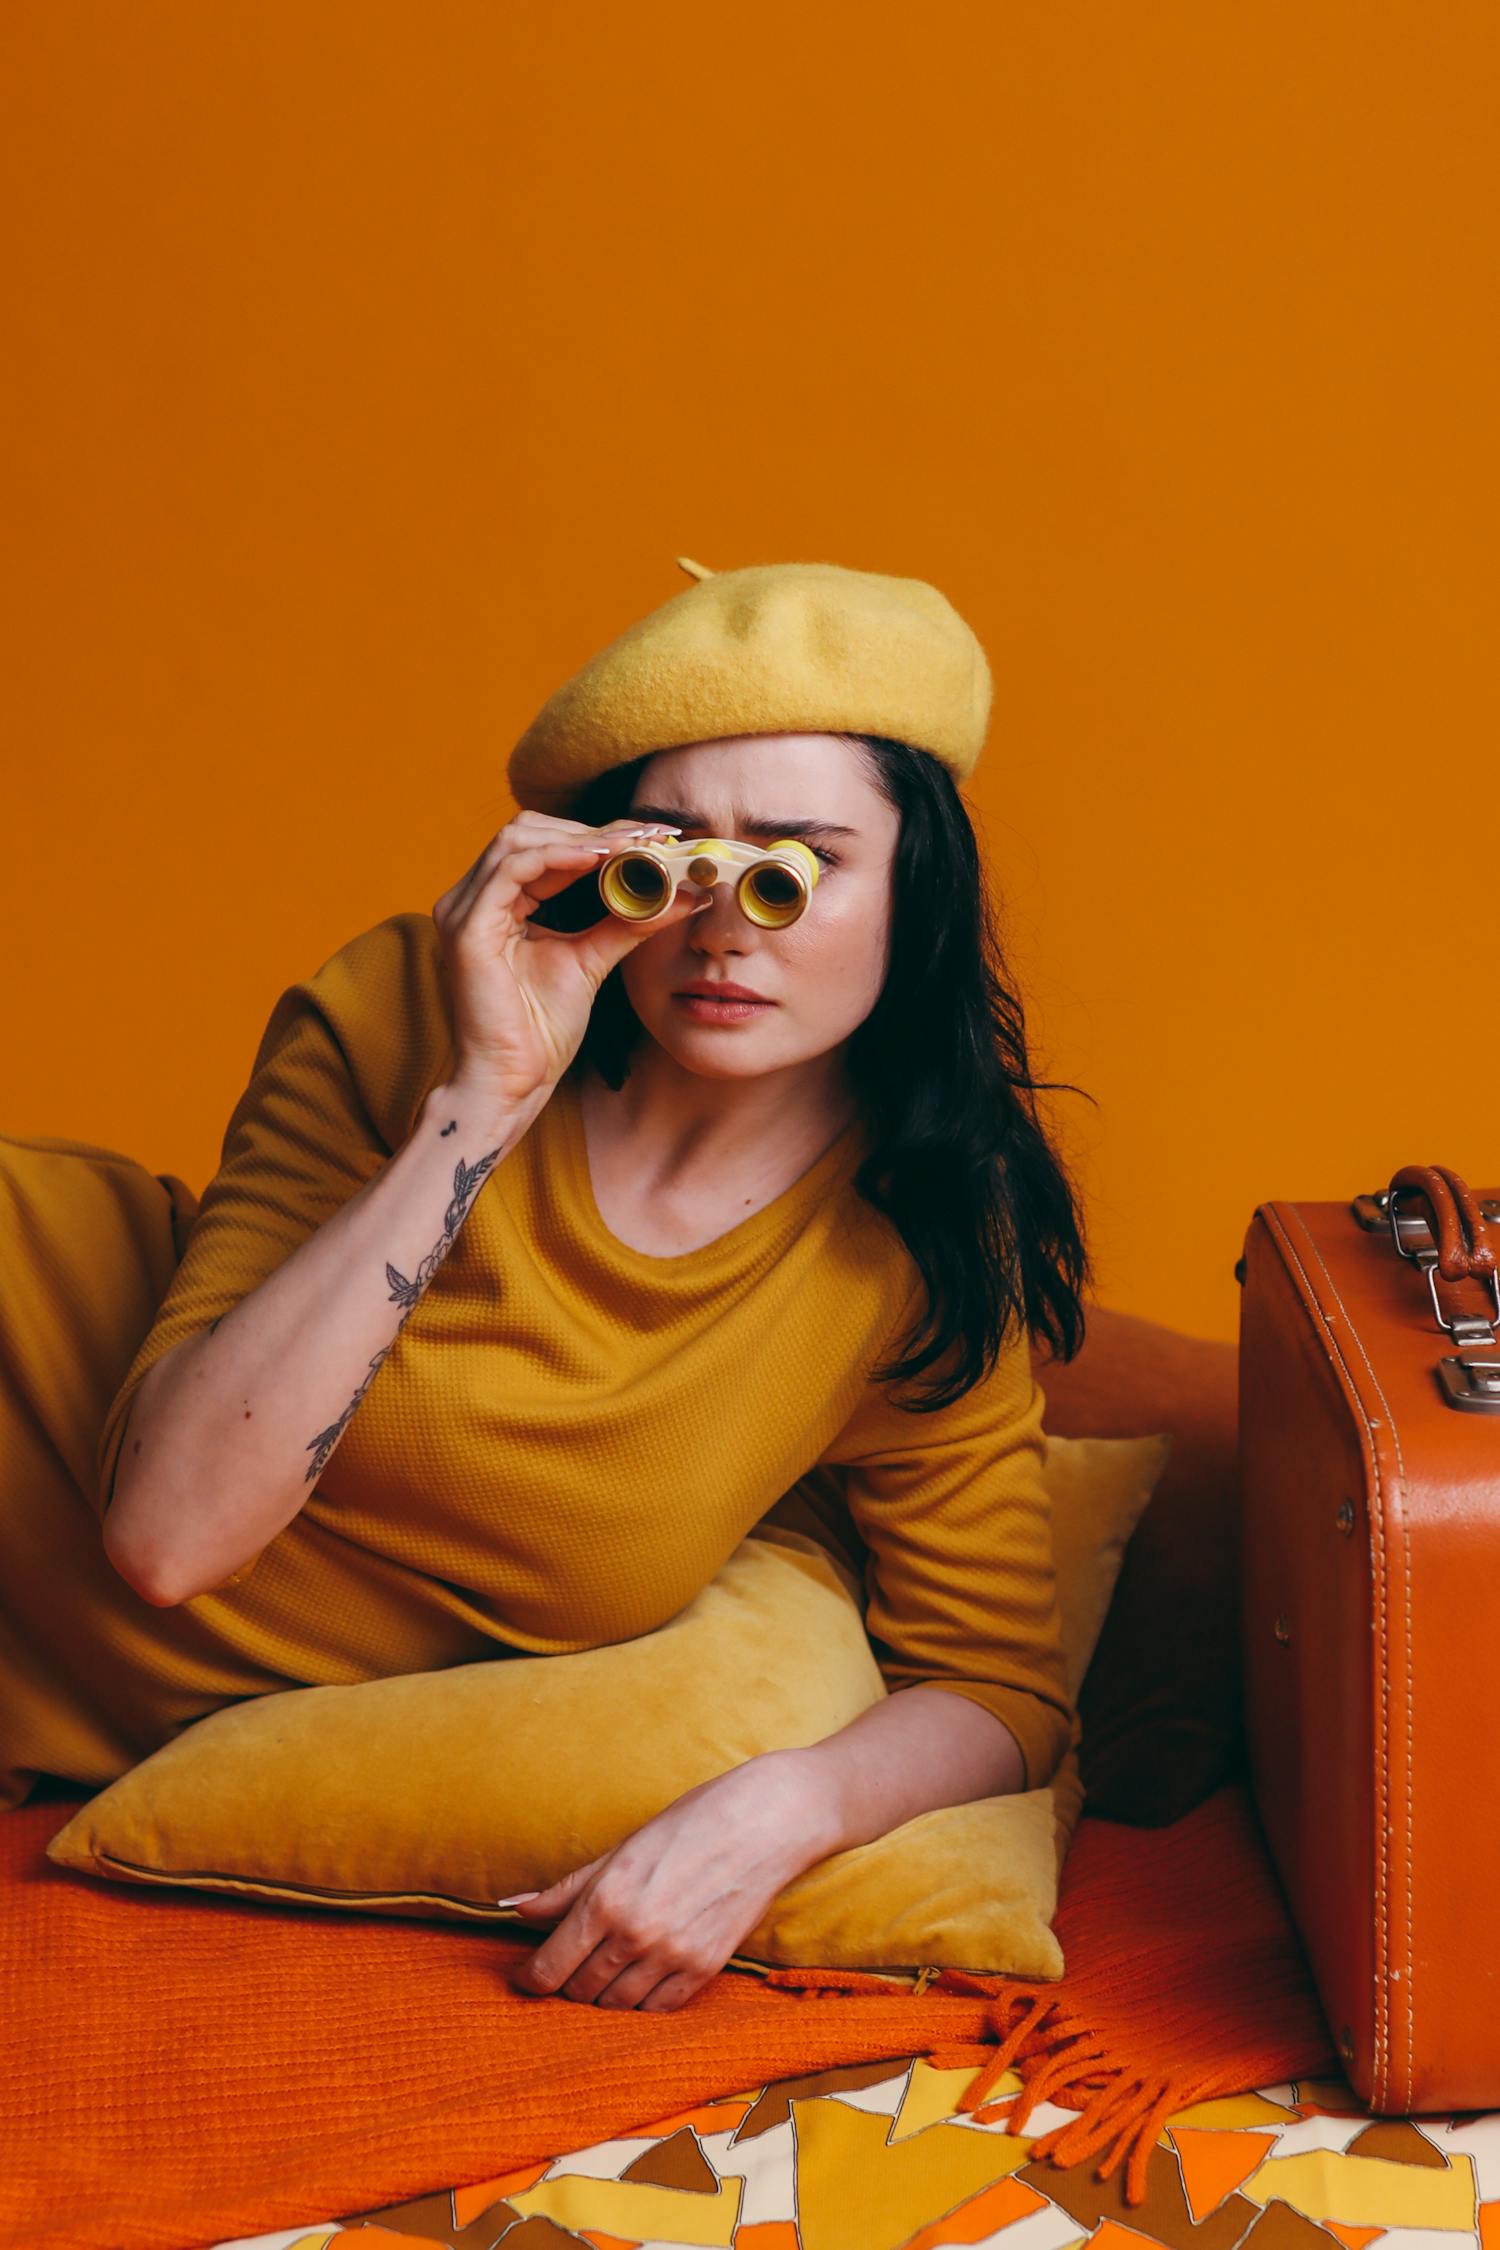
x: 677, y: 816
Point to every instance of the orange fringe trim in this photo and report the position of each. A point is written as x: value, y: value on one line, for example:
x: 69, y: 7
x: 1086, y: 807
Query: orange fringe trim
x: 1059, y: 2058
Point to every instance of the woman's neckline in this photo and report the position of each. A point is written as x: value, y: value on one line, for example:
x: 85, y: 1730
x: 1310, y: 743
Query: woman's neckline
x: 782, y: 1212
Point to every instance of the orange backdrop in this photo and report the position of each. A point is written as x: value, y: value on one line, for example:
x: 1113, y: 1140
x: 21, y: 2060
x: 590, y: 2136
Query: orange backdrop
x: 367, y: 365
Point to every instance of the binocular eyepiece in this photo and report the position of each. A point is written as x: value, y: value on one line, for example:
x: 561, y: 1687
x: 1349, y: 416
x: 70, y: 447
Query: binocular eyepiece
x: 772, y: 887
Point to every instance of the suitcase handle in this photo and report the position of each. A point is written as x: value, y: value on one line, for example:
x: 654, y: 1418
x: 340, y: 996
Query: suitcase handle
x: 1454, y: 1241
x: 1464, y: 1250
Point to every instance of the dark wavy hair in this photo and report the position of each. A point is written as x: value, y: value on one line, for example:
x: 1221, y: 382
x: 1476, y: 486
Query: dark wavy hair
x: 958, y: 1160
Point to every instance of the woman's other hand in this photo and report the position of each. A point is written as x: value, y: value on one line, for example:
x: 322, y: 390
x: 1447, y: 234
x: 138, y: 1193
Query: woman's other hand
x: 521, y: 996
x: 650, y: 1923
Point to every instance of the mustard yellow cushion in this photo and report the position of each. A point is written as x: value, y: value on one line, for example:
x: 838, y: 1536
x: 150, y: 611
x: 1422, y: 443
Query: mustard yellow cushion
x: 435, y: 1793
x: 89, y: 1241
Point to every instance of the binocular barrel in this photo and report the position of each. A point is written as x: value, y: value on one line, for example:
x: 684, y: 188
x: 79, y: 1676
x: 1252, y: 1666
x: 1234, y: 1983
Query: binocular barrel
x: 772, y: 886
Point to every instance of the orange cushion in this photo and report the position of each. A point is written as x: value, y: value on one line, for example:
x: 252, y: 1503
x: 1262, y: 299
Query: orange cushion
x: 1160, y: 1705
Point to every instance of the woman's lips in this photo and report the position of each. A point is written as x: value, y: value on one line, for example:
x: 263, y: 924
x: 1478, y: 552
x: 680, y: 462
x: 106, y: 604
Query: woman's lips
x: 703, y: 1009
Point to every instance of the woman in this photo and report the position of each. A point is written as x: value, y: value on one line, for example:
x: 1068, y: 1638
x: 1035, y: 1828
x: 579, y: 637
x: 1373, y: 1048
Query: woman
x: 637, y: 1266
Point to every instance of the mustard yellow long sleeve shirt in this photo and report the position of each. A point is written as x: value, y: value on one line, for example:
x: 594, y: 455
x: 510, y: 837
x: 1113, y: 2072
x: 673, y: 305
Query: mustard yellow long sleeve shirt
x: 570, y: 1435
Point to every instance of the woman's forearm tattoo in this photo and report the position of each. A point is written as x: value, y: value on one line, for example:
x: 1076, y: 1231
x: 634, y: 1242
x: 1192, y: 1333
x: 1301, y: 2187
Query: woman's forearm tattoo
x: 467, y: 1181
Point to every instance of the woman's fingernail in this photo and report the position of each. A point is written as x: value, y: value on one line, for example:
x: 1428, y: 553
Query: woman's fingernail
x: 516, y: 1897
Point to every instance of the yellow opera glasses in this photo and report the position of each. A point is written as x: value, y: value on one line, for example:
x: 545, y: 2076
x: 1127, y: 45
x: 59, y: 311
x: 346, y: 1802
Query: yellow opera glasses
x: 773, y: 887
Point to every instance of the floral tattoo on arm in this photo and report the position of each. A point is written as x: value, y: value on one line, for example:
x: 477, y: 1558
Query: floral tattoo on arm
x: 467, y: 1181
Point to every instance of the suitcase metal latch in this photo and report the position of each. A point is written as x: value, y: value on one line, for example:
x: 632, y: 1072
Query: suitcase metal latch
x: 1471, y: 1383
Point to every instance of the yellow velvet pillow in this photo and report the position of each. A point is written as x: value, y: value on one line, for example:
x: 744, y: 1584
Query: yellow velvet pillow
x: 89, y: 1241
x: 435, y: 1793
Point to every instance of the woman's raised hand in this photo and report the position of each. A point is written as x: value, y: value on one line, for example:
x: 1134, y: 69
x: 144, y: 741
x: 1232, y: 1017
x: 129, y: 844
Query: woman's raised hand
x: 521, y: 996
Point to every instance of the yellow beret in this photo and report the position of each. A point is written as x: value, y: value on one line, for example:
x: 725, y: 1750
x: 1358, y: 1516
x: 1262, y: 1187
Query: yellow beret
x: 777, y: 648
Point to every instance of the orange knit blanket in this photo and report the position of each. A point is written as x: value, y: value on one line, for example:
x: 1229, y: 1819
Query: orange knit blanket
x: 183, y: 2068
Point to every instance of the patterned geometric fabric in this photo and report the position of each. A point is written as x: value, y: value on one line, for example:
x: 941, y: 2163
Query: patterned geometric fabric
x: 876, y: 2158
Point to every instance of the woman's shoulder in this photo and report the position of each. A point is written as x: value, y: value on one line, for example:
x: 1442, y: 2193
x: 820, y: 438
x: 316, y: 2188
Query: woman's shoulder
x: 398, y: 956
x: 384, y: 997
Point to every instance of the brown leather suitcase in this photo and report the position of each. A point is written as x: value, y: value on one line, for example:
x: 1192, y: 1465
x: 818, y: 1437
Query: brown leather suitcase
x: 1370, y: 1614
